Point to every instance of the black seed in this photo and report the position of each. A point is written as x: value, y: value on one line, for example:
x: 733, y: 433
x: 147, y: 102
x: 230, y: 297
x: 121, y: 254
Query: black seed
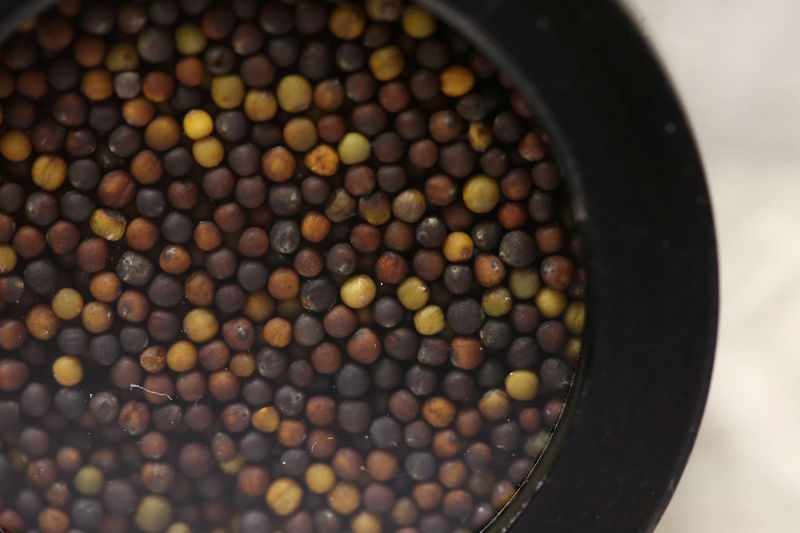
x: 465, y: 316
x: 318, y: 294
x: 386, y: 433
x: 134, y: 269
x: 420, y: 380
x: 352, y: 380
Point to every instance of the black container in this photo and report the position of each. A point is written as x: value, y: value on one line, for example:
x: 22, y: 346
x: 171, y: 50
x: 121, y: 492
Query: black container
x: 639, y: 193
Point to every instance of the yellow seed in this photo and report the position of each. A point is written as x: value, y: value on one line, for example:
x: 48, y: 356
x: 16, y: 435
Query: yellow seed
x: 284, y: 496
x: 418, y: 22
x: 294, y: 93
x: 179, y: 527
x: 234, y: 465
x: 572, y: 351
x: 481, y: 136
x: 344, y: 498
x: 189, y: 39
x: 365, y: 522
x: 197, y: 124
x: 182, y: 356
x: 524, y: 283
x: 200, y: 325
x: 458, y: 247
x: 387, y: 63
x: 456, y: 81
x: 347, y: 21
x: 575, y: 317
x: 266, y: 419
x: 8, y: 258
x: 15, y: 146
x: 354, y: 148
x: 429, y: 320
x: 67, y: 304
x: 522, y: 385
x: 88, y: 480
x: 108, y: 224
x: 260, y: 105
x: 227, y: 91
x: 67, y: 370
x: 495, y: 404
x: 122, y: 57
x: 49, y: 172
x: 551, y: 302
x: 481, y: 194
x: 322, y: 160
x: 208, y: 152
x: 497, y: 301
x: 413, y: 293
x: 320, y: 478
x: 153, y: 514
x: 358, y: 291
x: 300, y: 134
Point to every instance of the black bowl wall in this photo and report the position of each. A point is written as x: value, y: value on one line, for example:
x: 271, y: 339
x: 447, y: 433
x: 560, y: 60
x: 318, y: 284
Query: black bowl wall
x: 639, y: 194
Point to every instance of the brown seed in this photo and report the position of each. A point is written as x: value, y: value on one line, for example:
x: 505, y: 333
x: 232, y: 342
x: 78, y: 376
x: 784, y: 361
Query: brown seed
x: 512, y: 215
x: 428, y: 495
x: 53, y: 520
x: 105, y: 286
x: 162, y: 133
x: 315, y: 227
x: 146, y: 167
x: 63, y: 237
x: 92, y: 254
x: 97, y: 317
x: 29, y: 242
x: 223, y: 385
x: 141, y: 234
x: 13, y: 375
x: 283, y: 284
x: 278, y: 164
x: 253, y: 480
x: 291, y: 433
x: 153, y: 359
x: 326, y: 358
x: 133, y: 306
x: 158, y: 86
x: 97, y: 84
x: 438, y: 411
x: 116, y: 189
x: 134, y: 417
x: 199, y: 289
x: 42, y: 322
x: 466, y: 353
x: 190, y: 71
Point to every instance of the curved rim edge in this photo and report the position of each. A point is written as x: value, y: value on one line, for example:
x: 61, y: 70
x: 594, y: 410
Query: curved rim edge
x: 639, y: 192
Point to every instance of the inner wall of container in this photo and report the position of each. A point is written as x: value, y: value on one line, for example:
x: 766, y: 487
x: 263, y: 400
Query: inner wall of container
x: 550, y: 452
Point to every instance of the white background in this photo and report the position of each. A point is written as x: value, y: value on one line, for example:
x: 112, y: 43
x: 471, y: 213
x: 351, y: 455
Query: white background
x: 736, y: 65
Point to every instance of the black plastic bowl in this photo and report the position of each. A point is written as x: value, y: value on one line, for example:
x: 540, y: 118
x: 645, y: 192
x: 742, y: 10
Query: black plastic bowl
x: 639, y: 193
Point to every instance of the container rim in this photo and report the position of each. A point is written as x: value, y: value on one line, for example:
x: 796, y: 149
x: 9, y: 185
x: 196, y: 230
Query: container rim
x: 640, y: 197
